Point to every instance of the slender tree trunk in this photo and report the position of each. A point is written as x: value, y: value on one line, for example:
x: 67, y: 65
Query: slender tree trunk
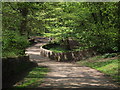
x: 94, y: 17
x: 23, y: 26
x: 118, y: 41
x: 68, y: 44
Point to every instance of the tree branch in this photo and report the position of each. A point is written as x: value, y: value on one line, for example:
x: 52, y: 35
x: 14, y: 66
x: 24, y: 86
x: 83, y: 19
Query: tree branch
x: 13, y: 7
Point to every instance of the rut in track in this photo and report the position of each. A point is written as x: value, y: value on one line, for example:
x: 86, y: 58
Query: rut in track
x: 68, y: 75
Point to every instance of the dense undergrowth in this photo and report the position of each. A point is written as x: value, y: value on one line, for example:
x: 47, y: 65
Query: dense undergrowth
x: 13, y: 44
x: 107, y: 64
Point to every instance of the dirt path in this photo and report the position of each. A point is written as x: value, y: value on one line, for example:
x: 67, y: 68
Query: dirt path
x: 68, y: 75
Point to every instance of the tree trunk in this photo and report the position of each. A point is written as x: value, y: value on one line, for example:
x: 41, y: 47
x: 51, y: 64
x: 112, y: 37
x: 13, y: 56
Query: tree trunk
x: 68, y: 44
x: 23, y: 26
x: 118, y: 40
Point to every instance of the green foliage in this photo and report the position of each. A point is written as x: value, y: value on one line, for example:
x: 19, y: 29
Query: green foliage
x: 109, y: 55
x: 22, y: 17
x: 92, y: 24
x: 13, y: 44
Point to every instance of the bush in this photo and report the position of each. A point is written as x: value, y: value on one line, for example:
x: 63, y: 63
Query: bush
x: 13, y: 44
x: 109, y: 55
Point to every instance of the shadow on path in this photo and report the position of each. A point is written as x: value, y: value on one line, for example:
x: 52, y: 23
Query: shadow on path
x: 68, y: 75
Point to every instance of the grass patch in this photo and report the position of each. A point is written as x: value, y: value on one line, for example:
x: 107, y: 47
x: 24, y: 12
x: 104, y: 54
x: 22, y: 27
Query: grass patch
x: 58, y: 49
x: 33, y: 79
x: 55, y: 48
x: 108, y: 66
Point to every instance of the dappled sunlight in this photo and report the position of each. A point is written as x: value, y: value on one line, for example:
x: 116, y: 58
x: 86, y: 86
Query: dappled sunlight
x: 36, y: 53
x: 56, y: 36
x: 65, y: 74
x: 71, y: 75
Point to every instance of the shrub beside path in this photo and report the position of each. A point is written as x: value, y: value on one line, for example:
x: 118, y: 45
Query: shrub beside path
x: 68, y: 75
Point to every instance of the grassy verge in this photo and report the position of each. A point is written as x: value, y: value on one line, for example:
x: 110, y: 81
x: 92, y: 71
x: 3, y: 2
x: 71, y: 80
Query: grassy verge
x: 108, y: 66
x: 33, y: 79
